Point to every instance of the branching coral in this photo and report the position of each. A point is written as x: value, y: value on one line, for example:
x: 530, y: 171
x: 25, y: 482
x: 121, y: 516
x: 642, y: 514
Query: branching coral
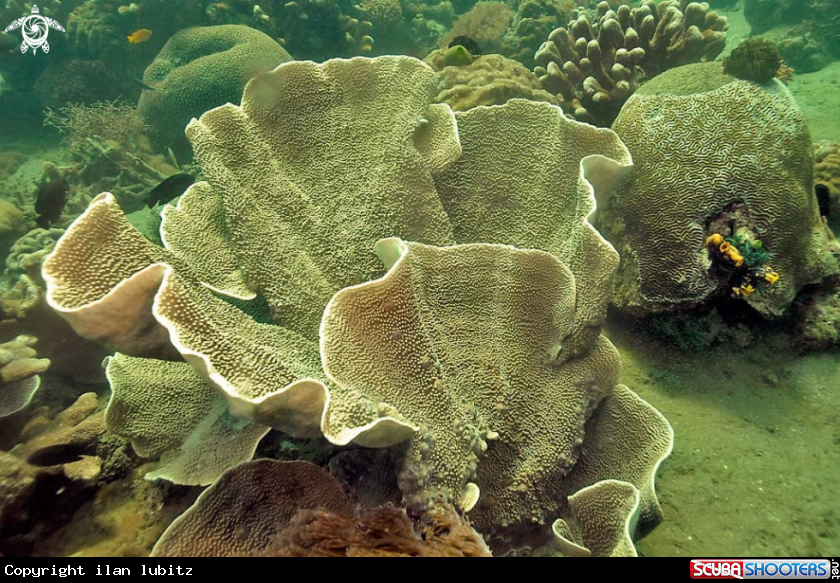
x: 520, y: 406
x: 594, y: 67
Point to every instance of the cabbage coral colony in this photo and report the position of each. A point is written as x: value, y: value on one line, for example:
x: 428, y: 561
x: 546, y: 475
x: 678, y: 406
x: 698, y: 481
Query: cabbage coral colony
x: 426, y: 325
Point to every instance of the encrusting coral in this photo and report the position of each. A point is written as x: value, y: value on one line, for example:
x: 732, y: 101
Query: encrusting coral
x: 593, y: 67
x: 520, y: 405
x: 488, y: 80
x: 734, y: 161
x: 60, y: 461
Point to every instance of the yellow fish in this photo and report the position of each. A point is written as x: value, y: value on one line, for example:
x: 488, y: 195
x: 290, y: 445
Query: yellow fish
x: 139, y: 36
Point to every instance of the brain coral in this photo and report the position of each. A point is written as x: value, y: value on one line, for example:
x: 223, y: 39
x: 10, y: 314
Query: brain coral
x: 827, y: 173
x: 735, y: 157
x: 485, y: 358
x: 200, y: 68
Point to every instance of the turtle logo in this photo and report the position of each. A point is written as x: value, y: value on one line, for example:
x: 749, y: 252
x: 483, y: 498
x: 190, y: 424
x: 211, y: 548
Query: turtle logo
x: 35, y: 29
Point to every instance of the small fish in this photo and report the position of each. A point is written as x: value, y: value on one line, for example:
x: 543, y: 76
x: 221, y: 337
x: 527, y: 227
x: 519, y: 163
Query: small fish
x: 143, y: 86
x: 55, y: 455
x: 139, y: 36
x: 167, y: 190
x: 52, y: 198
x: 823, y: 198
x: 467, y: 43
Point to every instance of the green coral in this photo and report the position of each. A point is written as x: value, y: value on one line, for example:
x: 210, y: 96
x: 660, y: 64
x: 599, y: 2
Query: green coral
x: 200, y: 68
x: 755, y: 60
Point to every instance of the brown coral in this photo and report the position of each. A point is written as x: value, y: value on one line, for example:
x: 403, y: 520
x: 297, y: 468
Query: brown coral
x: 488, y: 80
x: 243, y: 512
x: 594, y: 67
x: 502, y: 342
x: 533, y: 21
x: 383, y: 532
x: 827, y: 173
x: 19, y: 370
x: 738, y: 157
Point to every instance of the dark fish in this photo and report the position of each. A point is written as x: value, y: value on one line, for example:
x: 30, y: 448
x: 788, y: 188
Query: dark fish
x: 51, y: 201
x: 467, y: 43
x: 173, y: 186
x: 139, y: 83
x: 823, y: 198
x: 55, y: 455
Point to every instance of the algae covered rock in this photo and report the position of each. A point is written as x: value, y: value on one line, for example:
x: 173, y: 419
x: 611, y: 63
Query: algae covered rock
x: 200, y: 68
x: 733, y: 161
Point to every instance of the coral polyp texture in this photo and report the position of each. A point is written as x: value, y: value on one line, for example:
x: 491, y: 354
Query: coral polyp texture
x: 488, y: 80
x: 594, y: 66
x: 19, y: 370
x: 245, y: 510
x: 734, y: 161
x: 473, y: 338
x: 827, y: 177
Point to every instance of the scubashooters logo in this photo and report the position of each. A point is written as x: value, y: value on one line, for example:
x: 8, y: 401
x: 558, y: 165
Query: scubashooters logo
x: 35, y: 29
